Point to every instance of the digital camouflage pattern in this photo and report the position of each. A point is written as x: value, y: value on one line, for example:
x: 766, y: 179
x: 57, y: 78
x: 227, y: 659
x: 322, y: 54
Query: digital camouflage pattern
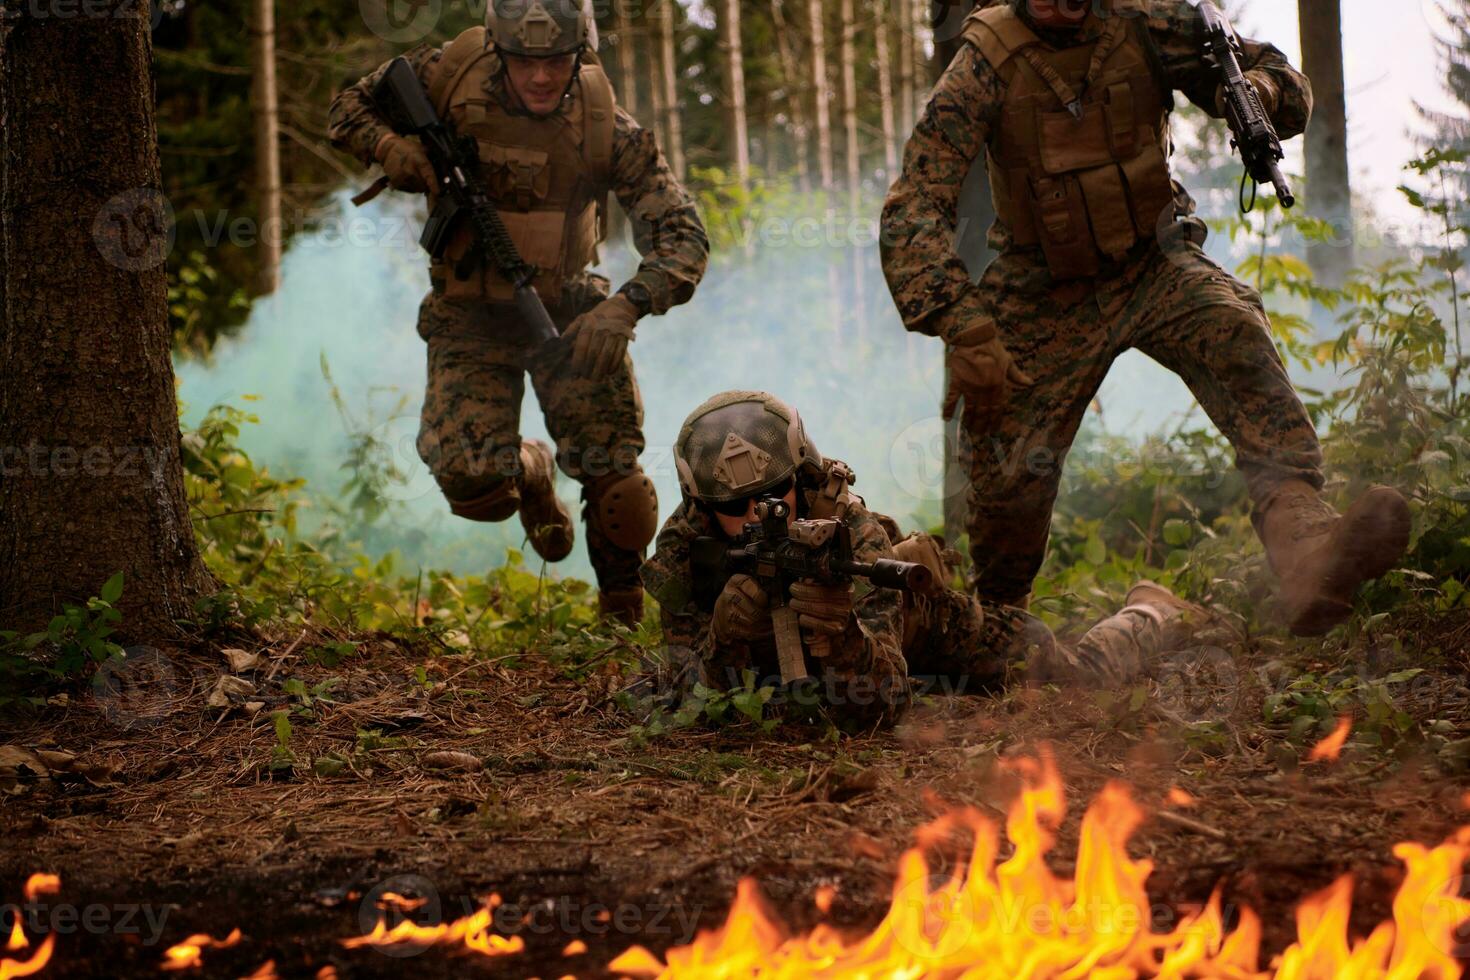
x: 666, y: 227
x: 945, y: 641
x: 479, y: 353
x: 469, y: 431
x: 1168, y: 300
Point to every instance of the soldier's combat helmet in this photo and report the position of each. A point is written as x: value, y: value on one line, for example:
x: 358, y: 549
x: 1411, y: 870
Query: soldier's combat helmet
x: 540, y: 28
x: 739, y: 443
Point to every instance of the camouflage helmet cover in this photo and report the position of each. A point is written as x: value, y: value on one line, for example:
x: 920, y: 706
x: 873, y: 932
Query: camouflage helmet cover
x: 739, y: 443
x: 540, y: 28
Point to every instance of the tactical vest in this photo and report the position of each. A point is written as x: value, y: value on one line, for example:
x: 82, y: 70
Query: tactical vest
x: 548, y: 177
x: 1079, y: 155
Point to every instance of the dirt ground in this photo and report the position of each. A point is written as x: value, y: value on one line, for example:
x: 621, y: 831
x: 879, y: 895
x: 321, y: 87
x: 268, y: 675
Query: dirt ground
x: 172, y: 820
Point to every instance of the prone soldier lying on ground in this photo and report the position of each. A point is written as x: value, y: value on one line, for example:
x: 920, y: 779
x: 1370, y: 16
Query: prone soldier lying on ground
x: 745, y: 464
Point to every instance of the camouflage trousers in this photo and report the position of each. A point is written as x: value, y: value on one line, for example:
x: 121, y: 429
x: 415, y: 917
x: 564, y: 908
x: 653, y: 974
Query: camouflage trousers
x: 1173, y: 304
x: 469, y: 433
x: 957, y: 645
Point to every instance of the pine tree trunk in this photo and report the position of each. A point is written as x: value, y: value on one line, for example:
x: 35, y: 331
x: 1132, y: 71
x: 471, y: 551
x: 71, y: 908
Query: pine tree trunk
x: 669, y: 59
x: 735, y: 88
x: 795, y: 104
x: 264, y: 105
x: 91, y: 481
x: 1329, y: 190
x: 627, y: 59
x: 847, y: 59
x: 885, y: 87
x: 906, y: 28
x: 652, y: 37
x: 821, y: 89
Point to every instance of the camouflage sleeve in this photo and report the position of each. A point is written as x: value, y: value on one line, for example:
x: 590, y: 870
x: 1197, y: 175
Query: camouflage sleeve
x: 867, y: 683
x: 917, y: 238
x: 1178, y: 33
x: 354, y: 124
x: 666, y: 228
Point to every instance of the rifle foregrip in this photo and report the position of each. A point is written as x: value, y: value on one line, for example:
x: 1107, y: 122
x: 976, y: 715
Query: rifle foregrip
x: 908, y: 576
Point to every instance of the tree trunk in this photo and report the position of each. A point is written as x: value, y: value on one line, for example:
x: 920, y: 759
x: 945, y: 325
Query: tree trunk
x: 885, y: 87
x: 627, y: 59
x: 735, y: 87
x: 820, y: 91
x: 267, y: 143
x: 673, y: 124
x: 907, y: 40
x: 847, y: 58
x: 91, y: 481
x: 795, y: 104
x: 653, y: 57
x: 1329, y: 191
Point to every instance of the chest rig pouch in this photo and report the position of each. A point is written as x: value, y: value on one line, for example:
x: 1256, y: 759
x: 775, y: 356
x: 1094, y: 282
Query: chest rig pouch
x: 548, y: 177
x: 1079, y: 156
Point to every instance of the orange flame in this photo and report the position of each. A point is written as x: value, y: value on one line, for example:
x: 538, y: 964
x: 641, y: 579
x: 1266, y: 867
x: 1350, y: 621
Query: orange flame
x: 266, y: 971
x: 1330, y: 747
x: 574, y: 948
x: 35, y: 886
x: 188, y: 954
x: 1017, y: 919
x: 1180, y: 797
x: 472, y: 932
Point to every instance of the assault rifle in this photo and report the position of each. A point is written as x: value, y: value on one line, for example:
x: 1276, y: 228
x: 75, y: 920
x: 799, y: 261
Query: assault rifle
x: 778, y: 553
x: 462, y: 194
x: 1251, y: 130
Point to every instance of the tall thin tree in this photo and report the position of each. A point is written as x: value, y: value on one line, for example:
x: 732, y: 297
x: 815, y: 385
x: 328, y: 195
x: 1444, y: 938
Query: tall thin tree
x: 265, y: 105
x: 93, y: 481
x: 1329, y: 189
x: 734, y: 57
x: 847, y: 61
x: 821, y: 92
x: 908, y: 29
x: 669, y: 62
x: 885, y: 86
x: 793, y: 84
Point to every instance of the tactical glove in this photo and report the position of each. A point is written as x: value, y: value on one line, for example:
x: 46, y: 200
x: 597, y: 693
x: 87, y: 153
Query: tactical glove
x: 600, y: 337
x: 742, y: 612
x: 1265, y: 88
x: 822, y: 609
x: 407, y: 166
x: 982, y: 372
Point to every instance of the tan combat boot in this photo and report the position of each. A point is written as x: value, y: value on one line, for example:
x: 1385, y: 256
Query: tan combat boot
x: 1322, y: 558
x: 546, y: 519
x: 1127, y: 645
x: 623, y: 605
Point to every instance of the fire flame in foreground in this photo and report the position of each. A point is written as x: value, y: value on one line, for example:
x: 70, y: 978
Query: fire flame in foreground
x: 36, y: 886
x: 1016, y: 919
x: 472, y: 932
x: 188, y: 955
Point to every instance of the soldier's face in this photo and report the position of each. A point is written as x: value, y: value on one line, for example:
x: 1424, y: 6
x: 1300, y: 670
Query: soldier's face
x: 539, y: 83
x: 1058, y: 13
x: 732, y: 526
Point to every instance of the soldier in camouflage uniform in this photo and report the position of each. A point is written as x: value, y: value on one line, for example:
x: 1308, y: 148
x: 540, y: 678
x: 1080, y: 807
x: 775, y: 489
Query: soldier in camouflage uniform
x: 1099, y: 252
x: 553, y: 146
x: 743, y: 446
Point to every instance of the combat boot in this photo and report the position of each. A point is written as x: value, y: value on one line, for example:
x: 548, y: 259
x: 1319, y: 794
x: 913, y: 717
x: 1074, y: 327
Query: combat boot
x: 546, y: 519
x: 623, y: 605
x: 1322, y: 557
x: 1128, y: 644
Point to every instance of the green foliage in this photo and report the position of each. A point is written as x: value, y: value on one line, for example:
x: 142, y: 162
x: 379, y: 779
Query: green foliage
x: 74, y: 643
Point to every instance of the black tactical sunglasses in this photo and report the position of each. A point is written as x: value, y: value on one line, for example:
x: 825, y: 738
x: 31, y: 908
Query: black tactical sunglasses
x: 739, y: 508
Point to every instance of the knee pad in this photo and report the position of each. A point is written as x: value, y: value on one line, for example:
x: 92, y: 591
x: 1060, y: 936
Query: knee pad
x: 491, y: 508
x: 624, y: 509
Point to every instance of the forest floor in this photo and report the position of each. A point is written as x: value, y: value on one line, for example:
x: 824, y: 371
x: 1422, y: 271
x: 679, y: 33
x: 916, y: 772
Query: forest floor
x: 178, y: 818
